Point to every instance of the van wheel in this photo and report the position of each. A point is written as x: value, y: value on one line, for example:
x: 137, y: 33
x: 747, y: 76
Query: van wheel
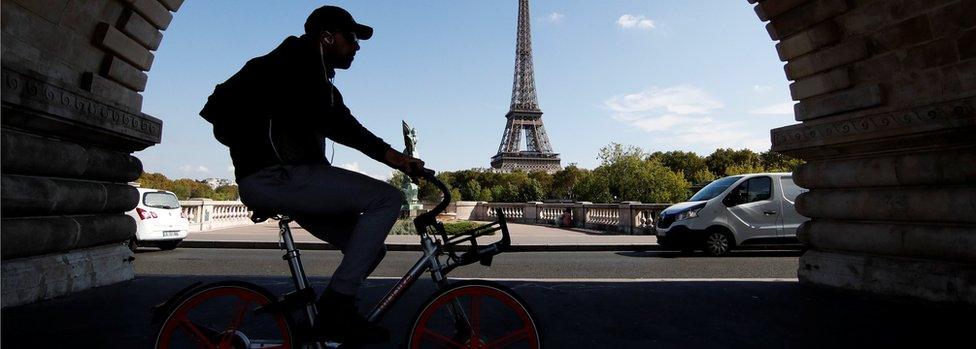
x: 169, y: 245
x: 717, y: 242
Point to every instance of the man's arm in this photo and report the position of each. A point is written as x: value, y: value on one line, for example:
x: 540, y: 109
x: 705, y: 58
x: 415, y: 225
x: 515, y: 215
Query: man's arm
x: 345, y: 129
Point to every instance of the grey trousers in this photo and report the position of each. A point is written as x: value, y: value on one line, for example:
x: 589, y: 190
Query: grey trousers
x: 350, y: 210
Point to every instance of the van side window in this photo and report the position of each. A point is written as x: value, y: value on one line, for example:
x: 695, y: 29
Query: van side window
x: 790, y: 189
x: 755, y: 189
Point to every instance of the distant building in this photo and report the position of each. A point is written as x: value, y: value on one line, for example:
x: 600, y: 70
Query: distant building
x: 218, y: 182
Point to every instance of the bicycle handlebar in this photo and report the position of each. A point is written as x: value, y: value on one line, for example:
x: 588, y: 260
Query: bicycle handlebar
x: 429, y: 217
x: 478, y: 253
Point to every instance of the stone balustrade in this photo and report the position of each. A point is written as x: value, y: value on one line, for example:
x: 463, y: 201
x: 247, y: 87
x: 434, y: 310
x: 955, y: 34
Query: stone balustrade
x: 626, y: 217
x: 206, y: 214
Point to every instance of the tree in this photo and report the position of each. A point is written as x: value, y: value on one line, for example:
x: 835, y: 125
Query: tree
x: 593, y: 187
x: 531, y: 190
x: 633, y: 176
x: 702, y: 176
x: 721, y: 159
x: 470, y: 190
x: 155, y: 181
x: 226, y: 193
x: 777, y: 162
x: 686, y: 162
x: 563, y: 182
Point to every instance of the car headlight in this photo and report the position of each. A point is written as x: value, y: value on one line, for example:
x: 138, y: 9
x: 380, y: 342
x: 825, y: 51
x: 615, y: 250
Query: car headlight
x: 689, y: 214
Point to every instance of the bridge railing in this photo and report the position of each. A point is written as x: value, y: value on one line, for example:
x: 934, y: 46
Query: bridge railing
x: 627, y: 217
x: 206, y: 214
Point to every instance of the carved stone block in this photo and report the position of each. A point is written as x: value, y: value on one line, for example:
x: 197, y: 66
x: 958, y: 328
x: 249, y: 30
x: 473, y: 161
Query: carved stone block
x: 838, y: 102
x: 140, y: 30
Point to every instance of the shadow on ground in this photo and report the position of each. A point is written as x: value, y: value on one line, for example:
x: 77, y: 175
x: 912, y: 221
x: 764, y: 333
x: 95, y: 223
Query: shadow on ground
x: 573, y: 315
x: 732, y: 254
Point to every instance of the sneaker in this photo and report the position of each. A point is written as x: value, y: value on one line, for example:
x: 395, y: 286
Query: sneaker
x: 339, y: 320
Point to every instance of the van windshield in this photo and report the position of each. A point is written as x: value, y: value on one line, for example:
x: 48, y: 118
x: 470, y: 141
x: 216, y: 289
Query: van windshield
x: 160, y: 200
x: 714, y: 188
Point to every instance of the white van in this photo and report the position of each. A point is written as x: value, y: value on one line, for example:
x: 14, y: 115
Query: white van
x: 159, y: 219
x: 733, y: 211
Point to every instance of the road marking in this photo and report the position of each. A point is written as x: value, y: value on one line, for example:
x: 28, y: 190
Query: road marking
x: 620, y: 280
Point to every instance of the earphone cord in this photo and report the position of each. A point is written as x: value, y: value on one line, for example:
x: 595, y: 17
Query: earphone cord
x: 325, y: 70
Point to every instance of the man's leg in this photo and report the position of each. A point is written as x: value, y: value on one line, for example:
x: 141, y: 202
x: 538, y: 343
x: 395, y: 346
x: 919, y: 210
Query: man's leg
x: 315, y: 193
x: 326, y: 191
x: 336, y: 231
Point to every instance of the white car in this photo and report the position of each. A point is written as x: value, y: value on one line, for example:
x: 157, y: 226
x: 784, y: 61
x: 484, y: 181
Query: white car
x: 159, y: 219
x: 733, y: 211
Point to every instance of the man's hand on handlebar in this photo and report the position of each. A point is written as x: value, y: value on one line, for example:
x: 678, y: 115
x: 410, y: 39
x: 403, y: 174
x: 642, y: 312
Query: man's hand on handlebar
x: 411, y: 166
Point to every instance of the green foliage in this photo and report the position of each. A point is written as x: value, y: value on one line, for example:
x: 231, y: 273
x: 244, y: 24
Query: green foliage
x: 531, y: 190
x: 406, y: 227
x: 185, y: 188
x: 720, y: 160
x: 403, y: 227
x: 702, y: 176
x: 633, y: 176
x: 226, y: 193
x: 742, y: 169
x: 455, y: 227
x: 564, y: 181
x: 688, y: 163
x: 776, y: 162
x: 594, y: 187
x: 625, y: 173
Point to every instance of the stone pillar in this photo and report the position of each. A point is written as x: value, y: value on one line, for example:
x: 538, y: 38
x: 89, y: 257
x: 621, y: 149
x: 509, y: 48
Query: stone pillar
x: 72, y: 71
x: 626, y: 217
x: 466, y: 210
x: 531, y: 212
x: 886, y: 93
x: 579, y: 214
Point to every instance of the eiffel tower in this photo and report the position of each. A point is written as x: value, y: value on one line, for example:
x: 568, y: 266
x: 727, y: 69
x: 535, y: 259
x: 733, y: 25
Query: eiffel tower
x: 524, y: 114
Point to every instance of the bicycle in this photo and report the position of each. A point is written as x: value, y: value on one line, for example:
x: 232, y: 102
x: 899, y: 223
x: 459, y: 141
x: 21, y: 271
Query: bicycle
x: 466, y: 314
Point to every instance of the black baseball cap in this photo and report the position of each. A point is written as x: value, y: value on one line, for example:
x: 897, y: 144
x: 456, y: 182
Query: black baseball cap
x: 335, y: 18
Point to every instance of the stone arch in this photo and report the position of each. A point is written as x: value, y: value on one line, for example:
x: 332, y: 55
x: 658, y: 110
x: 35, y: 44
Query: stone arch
x: 885, y: 93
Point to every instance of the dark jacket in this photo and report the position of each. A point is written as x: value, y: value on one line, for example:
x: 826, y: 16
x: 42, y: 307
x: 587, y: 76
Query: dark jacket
x: 280, y: 107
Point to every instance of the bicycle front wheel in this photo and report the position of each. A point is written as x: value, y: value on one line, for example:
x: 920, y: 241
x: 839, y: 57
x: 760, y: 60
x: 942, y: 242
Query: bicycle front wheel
x: 474, y: 314
x: 221, y: 315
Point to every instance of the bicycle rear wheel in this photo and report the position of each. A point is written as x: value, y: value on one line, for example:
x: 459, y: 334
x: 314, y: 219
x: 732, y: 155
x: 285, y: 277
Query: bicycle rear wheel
x: 221, y: 315
x: 474, y: 314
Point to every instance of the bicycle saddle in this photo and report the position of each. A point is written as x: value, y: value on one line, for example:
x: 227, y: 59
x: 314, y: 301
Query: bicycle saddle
x: 259, y: 216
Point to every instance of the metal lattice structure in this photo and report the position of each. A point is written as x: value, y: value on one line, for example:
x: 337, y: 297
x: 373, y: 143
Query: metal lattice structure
x: 524, y: 116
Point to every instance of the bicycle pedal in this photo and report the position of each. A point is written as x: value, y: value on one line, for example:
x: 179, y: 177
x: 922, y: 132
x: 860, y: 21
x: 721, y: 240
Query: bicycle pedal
x: 290, y: 301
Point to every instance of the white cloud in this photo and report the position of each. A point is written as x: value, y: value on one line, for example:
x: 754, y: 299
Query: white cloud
x: 192, y: 169
x: 639, y: 21
x: 762, y: 88
x: 681, y: 116
x: 785, y: 108
x: 681, y: 100
x: 556, y: 17
x: 354, y: 166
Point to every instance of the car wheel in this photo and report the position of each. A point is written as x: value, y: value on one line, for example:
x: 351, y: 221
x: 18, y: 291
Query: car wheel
x: 717, y: 243
x: 168, y: 245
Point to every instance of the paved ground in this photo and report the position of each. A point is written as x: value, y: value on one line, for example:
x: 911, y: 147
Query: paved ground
x: 524, y: 237
x: 682, y: 314
x: 520, y: 265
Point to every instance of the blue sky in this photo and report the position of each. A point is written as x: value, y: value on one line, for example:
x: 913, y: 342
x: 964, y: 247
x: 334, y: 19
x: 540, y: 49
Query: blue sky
x: 662, y: 75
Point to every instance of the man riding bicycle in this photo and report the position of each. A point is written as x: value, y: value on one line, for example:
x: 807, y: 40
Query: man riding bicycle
x: 274, y: 115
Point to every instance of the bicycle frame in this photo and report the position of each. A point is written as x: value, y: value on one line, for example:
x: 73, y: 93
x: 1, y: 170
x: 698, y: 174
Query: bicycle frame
x: 430, y: 261
x: 433, y: 250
